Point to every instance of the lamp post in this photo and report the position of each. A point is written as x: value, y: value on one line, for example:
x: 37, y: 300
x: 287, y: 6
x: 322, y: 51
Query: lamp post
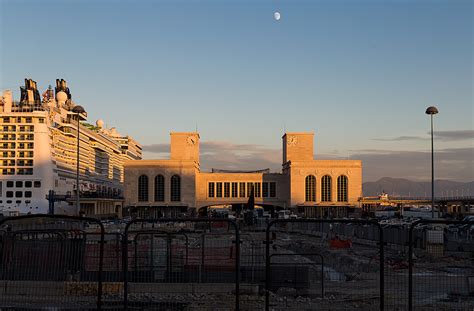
x: 432, y: 111
x: 77, y: 110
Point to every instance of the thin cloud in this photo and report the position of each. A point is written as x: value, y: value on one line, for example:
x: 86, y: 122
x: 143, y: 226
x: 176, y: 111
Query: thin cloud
x: 401, y: 138
x: 226, y: 155
x: 450, y: 163
x: 454, y: 135
x: 157, y: 148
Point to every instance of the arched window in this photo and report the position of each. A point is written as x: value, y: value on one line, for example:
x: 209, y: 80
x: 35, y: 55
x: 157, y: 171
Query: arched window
x: 310, y: 188
x: 175, y: 188
x: 326, y: 195
x: 159, y: 188
x: 342, y: 188
x: 143, y: 188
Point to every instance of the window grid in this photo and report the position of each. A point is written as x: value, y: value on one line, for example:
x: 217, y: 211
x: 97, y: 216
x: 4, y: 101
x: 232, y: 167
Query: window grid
x: 310, y: 188
x: 234, y: 189
x: 272, y: 189
x: 249, y: 189
x: 226, y: 190
x: 175, y: 188
x: 159, y: 188
x: 142, y: 188
x: 242, y: 190
x: 211, y: 189
x: 265, y: 190
x: 326, y: 194
x: 219, y: 190
x: 342, y: 188
x: 257, y: 189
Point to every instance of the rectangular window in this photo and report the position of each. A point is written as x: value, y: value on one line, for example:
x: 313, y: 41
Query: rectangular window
x: 219, y: 190
x: 25, y: 171
x: 242, y: 190
x: 272, y: 190
x: 1, y: 189
x: 226, y: 189
x: 211, y: 189
x: 10, y: 184
x: 19, y: 184
x: 18, y: 194
x: 257, y: 189
x: 234, y: 189
x: 37, y: 184
x: 28, y: 194
x: 249, y: 189
x: 265, y: 190
x: 28, y: 184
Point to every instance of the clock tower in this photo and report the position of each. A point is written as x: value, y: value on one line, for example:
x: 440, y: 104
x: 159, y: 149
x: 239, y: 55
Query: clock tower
x: 298, y: 147
x: 185, y: 146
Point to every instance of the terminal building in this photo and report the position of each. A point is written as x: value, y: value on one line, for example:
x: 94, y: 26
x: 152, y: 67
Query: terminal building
x: 172, y: 187
x: 38, y: 156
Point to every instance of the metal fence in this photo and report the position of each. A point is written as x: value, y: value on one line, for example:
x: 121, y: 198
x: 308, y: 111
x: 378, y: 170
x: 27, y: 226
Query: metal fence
x: 43, y: 262
x: 65, y: 262
x: 177, y: 264
x: 352, y: 276
x: 439, y: 278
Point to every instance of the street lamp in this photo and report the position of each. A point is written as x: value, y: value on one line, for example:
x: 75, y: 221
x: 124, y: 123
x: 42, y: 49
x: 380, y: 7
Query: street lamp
x: 432, y: 111
x: 77, y: 110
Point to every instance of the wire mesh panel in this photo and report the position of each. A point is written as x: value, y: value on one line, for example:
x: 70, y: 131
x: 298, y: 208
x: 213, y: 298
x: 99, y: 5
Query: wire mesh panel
x: 319, y: 264
x: 396, y: 265
x: 252, y: 269
x: 181, y: 264
x: 43, y: 263
x: 441, y: 270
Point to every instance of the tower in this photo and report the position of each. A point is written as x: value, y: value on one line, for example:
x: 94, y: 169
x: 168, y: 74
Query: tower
x: 185, y: 146
x: 298, y: 147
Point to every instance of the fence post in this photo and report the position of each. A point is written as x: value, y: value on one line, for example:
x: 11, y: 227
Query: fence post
x: 125, y: 265
x: 410, y: 265
x: 267, y: 266
x: 382, y: 270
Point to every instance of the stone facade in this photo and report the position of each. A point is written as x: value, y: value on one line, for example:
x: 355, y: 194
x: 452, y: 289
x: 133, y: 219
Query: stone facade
x: 288, y: 189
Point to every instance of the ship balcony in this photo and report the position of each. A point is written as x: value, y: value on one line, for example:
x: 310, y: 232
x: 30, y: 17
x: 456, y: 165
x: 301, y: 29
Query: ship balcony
x: 98, y: 146
x: 99, y: 161
x: 8, y: 128
x: 26, y: 163
x: 69, y: 131
x: 26, y: 137
x: 100, y: 166
x: 6, y: 165
x: 7, y: 137
x: 7, y: 171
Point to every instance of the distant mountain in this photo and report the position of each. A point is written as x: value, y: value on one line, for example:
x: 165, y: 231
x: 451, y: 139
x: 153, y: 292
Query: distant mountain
x: 405, y: 187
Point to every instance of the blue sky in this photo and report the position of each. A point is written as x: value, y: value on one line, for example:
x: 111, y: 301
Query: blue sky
x: 360, y: 74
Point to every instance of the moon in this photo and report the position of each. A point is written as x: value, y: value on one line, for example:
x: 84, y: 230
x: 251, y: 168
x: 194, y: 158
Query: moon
x: 277, y: 16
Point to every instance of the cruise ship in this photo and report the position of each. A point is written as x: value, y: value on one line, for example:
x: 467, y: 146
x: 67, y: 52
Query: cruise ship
x: 38, y: 156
